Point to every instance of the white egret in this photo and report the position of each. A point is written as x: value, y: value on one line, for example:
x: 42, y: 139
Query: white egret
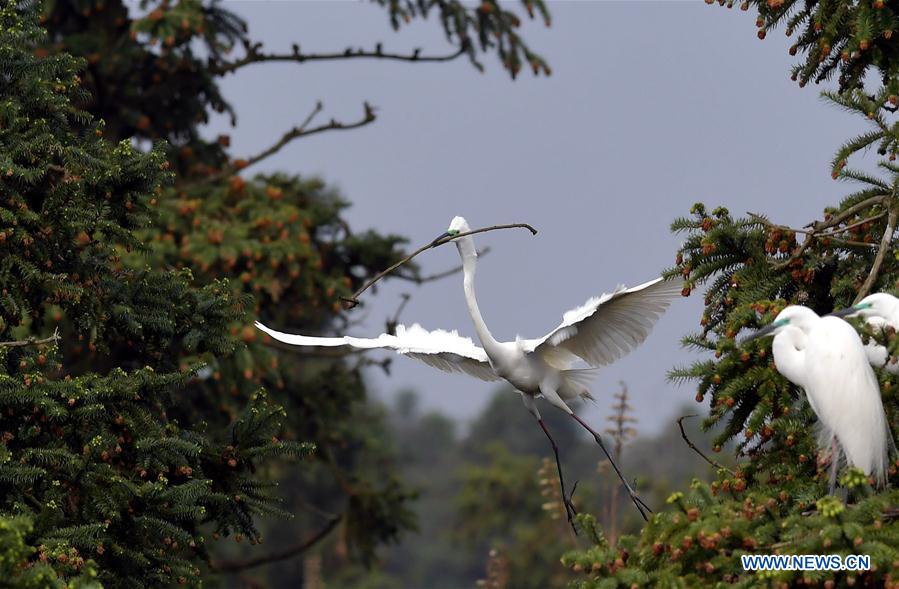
x: 879, y: 310
x: 825, y: 356
x: 599, y: 332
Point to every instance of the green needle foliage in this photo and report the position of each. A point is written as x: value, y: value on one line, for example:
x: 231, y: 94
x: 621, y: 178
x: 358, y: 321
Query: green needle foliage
x: 776, y: 499
x: 93, y: 464
x: 155, y: 421
x: 843, y: 39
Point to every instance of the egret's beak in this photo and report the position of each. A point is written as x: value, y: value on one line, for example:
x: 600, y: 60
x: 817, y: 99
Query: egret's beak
x: 441, y: 237
x: 844, y: 312
x: 767, y: 330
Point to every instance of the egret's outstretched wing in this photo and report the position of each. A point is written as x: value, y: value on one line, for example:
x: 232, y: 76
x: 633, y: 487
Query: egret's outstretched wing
x: 607, y: 327
x: 446, y: 350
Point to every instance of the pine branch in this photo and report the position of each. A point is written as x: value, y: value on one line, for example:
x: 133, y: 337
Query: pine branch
x: 235, y: 566
x: 354, y: 300
x: 817, y: 229
x: 680, y: 424
x: 32, y: 341
x: 254, y: 54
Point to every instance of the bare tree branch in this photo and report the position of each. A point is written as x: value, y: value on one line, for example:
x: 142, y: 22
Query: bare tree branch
x: 354, y: 300
x: 32, y: 341
x: 302, y: 130
x: 392, y: 322
x: 254, y: 54
x: 818, y: 227
x: 439, y: 275
x: 680, y: 424
x: 885, y: 240
x: 854, y: 209
x: 236, y: 566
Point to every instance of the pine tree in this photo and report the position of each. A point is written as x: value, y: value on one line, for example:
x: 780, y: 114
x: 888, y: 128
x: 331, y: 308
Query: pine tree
x: 777, y: 499
x: 91, y: 455
x: 621, y: 430
x: 145, y: 428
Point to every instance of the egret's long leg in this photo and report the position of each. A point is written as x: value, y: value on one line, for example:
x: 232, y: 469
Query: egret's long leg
x: 637, y: 501
x: 570, y: 511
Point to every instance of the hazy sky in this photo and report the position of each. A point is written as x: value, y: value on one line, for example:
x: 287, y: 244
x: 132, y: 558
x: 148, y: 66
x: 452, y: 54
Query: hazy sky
x: 651, y: 107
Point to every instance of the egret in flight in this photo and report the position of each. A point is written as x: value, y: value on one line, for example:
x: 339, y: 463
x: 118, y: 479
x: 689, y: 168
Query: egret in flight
x: 879, y: 310
x: 597, y: 333
x: 826, y: 357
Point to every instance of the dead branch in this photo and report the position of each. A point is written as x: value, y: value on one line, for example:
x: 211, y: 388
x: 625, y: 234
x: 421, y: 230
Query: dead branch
x: 354, y: 300
x: 32, y: 341
x: 817, y: 232
x: 854, y: 209
x: 885, y: 240
x: 297, y: 132
x: 439, y: 275
x: 392, y: 322
x: 254, y: 54
x: 680, y: 424
x: 236, y: 566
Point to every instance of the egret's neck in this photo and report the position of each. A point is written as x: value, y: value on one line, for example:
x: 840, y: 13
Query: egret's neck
x: 789, y: 354
x: 469, y: 263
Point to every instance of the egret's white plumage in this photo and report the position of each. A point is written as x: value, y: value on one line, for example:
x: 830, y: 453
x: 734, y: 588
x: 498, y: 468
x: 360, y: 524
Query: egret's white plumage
x: 607, y: 327
x: 879, y: 310
x: 826, y: 357
x: 597, y: 333
x: 446, y: 350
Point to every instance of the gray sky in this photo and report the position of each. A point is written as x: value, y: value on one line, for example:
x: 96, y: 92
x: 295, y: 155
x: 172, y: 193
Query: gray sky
x: 651, y: 107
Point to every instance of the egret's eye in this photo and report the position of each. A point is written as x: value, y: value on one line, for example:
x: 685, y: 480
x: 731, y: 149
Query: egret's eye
x: 453, y: 232
x: 861, y: 306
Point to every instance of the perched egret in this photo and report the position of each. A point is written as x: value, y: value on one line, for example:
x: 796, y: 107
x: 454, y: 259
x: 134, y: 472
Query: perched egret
x: 602, y: 330
x: 825, y: 356
x: 879, y: 310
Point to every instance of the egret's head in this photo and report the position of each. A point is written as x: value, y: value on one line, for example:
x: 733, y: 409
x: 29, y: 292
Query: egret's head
x: 880, y: 305
x: 794, y: 315
x: 457, y: 226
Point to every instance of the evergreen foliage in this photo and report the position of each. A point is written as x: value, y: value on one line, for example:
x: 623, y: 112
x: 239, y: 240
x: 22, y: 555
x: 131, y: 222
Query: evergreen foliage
x: 92, y: 457
x: 846, y: 39
x: 776, y: 499
x: 145, y: 429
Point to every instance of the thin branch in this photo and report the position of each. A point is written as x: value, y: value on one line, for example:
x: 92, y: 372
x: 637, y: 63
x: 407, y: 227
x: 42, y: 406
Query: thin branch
x: 236, y: 566
x: 32, y: 341
x: 856, y: 224
x: 302, y: 130
x: 680, y: 424
x: 392, y: 322
x: 817, y: 232
x: 254, y: 54
x: 354, y: 300
x: 439, y: 275
x: 885, y: 240
x: 854, y: 209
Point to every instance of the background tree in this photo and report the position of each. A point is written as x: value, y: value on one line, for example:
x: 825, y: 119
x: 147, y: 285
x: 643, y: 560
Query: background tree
x: 94, y: 463
x: 776, y: 500
x: 153, y: 263
x: 492, y: 487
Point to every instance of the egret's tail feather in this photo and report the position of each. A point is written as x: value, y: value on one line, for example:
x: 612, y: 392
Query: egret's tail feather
x: 576, y: 383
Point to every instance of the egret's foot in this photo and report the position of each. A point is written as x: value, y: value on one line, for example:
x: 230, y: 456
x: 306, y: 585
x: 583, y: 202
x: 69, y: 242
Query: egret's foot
x: 570, y: 510
x: 641, y: 506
